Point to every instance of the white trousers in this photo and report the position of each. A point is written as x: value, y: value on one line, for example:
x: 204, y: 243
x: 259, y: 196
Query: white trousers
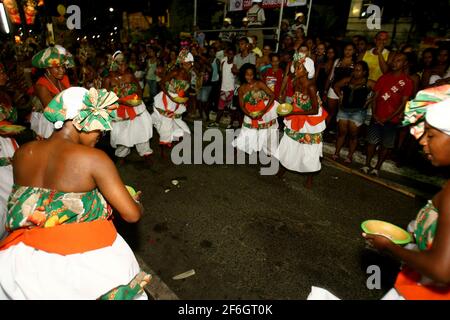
x: 142, y: 148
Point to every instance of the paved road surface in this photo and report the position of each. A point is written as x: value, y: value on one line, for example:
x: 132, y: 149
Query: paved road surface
x: 258, y: 237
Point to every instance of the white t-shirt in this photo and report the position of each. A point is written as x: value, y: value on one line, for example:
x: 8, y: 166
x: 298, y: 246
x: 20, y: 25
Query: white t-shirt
x: 220, y: 55
x: 228, y: 77
x: 436, y: 77
x: 256, y: 16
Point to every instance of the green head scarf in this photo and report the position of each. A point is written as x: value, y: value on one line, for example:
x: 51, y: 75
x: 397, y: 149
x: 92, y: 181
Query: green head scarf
x: 53, y: 57
x: 89, y: 110
x: 416, y: 109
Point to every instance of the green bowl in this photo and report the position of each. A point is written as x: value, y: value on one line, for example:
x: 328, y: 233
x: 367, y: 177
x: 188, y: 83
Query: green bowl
x: 388, y: 230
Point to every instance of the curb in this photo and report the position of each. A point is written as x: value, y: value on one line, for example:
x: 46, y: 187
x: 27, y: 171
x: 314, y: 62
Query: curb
x: 388, y: 166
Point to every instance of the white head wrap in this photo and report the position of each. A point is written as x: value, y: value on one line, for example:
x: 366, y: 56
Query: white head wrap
x: 308, y: 63
x: 73, y: 103
x: 438, y: 116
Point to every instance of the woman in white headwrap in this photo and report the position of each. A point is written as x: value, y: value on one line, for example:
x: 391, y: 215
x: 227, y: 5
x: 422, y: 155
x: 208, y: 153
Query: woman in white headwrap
x: 133, y: 126
x: 169, y: 104
x: 300, y: 147
x: 62, y: 242
x: 425, y: 272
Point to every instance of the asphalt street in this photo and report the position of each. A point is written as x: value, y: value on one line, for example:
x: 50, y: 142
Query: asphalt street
x: 249, y: 236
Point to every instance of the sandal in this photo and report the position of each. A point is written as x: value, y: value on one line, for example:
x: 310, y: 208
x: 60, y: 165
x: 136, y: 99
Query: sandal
x: 335, y: 157
x: 366, y: 169
x: 348, y: 161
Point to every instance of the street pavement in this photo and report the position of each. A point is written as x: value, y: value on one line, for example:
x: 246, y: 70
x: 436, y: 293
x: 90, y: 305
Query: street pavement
x: 249, y: 236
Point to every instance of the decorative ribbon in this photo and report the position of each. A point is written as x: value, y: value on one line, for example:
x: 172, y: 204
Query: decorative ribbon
x: 260, y: 125
x: 166, y: 112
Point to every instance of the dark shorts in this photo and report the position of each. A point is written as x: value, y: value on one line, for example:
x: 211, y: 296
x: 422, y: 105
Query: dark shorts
x: 382, y: 134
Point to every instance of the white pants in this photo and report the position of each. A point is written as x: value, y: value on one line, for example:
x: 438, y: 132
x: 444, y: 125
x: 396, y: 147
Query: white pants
x: 142, y: 148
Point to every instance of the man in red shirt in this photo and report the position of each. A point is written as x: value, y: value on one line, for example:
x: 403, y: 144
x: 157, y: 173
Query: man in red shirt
x: 392, y: 91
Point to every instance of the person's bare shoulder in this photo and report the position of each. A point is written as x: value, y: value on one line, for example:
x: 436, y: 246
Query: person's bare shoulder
x: 27, y: 149
x: 88, y: 154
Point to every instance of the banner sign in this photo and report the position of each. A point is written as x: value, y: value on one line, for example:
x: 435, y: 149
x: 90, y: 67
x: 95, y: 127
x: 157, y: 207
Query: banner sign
x: 239, y: 5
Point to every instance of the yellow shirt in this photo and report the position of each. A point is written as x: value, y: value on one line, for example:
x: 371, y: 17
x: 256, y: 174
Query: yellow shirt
x: 374, y: 66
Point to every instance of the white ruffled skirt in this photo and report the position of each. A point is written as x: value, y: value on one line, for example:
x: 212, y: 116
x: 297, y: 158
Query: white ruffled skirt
x: 301, y: 157
x: 129, y: 133
x: 252, y: 140
x: 27, y: 273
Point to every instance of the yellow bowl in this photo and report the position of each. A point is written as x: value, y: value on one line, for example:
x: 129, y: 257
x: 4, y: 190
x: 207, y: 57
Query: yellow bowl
x: 284, y: 109
x: 133, y: 102
x: 131, y: 191
x: 180, y: 99
x: 388, y: 230
x: 255, y: 113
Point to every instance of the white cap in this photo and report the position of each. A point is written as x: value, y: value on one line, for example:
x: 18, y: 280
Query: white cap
x: 227, y: 20
x: 298, y: 14
x: 438, y: 116
x: 258, y: 1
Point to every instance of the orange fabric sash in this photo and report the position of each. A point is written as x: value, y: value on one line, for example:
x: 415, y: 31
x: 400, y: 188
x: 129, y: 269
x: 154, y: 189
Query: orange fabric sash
x: 260, y: 106
x: 298, y: 121
x: 166, y: 106
x: 5, y: 123
x: 43, y: 81
x: 125, y: 111
x: 65, y: 239
x: 407, y: 284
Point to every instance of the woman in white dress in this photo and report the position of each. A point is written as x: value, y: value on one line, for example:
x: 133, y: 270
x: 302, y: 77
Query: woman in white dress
x: 133, y: 126
x: 300, y: 148
x: 62, y: 243
x: 169, y: 104
x: 259, y: 130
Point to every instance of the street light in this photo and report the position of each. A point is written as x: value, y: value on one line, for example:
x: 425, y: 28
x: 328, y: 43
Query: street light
x: 115, y: 28
x: 95, y: 18
x: 111, y: 9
